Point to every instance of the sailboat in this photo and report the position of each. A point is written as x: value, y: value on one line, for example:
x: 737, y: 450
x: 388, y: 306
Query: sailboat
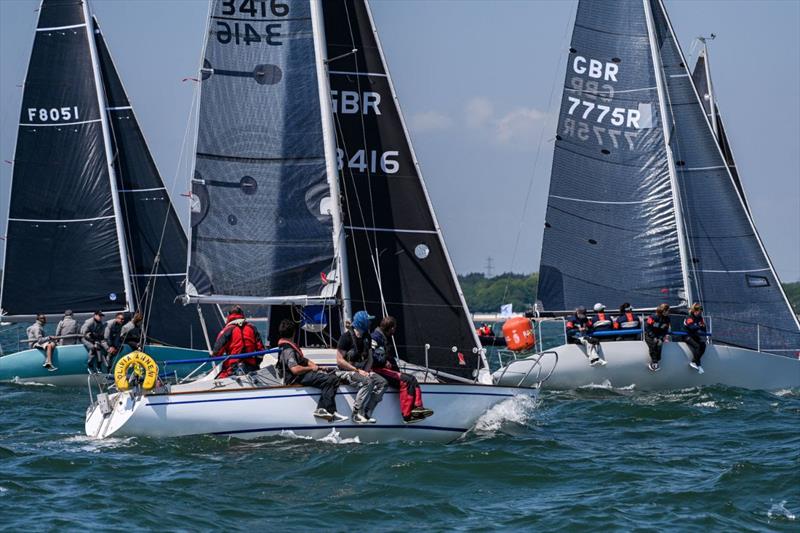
x: 91, y: 225
x: 307, y: 195
x: 646, y: 206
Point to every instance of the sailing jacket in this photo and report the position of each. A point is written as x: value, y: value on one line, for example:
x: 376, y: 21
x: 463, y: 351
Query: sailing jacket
x: 36, y: 333
x: 92, y: 330
x: 131, y: 333
x: 602, y: 322
x: 112, y: 335
x: 237, y: 337
x: 575, y: 323
x: 356, y: 350
x: 656, y: 326
x: 381, y: 357
x: 67, y: 326
x: 627, y: 321
x: 694, y: 325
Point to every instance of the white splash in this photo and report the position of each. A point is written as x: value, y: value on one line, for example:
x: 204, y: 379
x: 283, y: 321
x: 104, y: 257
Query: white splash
x: 517, y: 410
x: 712, y: 404
x: 783, y: 393
x: 335, y: 438
x: 606, y: 385
x: 94, y: 445
x: 779, y: 510
x: 3, y: 490
x: 289, y: 434
x: 18, y: 381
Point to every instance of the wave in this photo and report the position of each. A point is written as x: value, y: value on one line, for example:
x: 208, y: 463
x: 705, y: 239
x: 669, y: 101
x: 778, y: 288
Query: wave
x: 517, y: 410
x: 779, y: 511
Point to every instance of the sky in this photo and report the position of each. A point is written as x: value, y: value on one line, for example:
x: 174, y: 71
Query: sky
x: 479, y: 84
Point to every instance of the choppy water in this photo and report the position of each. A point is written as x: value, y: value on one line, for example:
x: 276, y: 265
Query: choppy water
x: 594, y: 459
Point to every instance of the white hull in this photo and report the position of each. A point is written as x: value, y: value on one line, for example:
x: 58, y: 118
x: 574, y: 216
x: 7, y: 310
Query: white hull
x: 249, y: 413
x: 628, y: 360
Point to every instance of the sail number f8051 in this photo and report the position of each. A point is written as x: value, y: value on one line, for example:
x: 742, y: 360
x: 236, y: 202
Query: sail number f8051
x: 53, y: 114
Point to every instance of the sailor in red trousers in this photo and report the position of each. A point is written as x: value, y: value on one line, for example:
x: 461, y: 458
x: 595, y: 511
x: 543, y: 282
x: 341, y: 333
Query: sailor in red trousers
x: 385, y: 364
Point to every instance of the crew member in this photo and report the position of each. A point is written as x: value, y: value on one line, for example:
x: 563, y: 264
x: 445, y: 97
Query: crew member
x: 92, y: 338
x: 112, y: 339
x: 385, y: 364
x: 37, y: 339
x: 579, y: 327
x: 626, y: 320
x: 238, y: 337
x: 695, y: 328
x: 297, y: 370
x: 67, y: 329
x: 656, y: 328
x: 354, y: 359
x: 131, y: 333
x: 485, y: 330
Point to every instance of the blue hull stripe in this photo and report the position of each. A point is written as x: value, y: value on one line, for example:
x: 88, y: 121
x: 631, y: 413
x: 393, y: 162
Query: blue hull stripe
x: 153, y: 404
x: 337, y: 426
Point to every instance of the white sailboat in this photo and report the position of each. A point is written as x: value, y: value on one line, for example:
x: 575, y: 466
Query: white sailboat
x: 307, y: 199
x: 646, y: 206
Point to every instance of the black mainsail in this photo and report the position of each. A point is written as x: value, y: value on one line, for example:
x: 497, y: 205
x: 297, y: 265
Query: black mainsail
x: 154, y: 237
x: 396, y: 258
x: 62, y: 246
x: 611, y: 234
x: 645, y: 204
x: 261, y: 203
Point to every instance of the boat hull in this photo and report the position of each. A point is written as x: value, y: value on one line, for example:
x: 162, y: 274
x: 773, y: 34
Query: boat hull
x: 628, y: 360
x: 254, y: 413
x: 26, y: 366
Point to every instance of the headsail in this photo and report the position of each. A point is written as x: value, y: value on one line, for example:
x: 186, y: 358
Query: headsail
x: 397, y: 260
x: 701, y: 75
x: 729, y: 269
x: 610, y: 233
x: 156, y: 242
x: 62, y: 247
x: 261, y: 222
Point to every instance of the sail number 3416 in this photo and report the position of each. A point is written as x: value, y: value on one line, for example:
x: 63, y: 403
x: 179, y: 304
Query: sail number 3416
x: 244, y: 32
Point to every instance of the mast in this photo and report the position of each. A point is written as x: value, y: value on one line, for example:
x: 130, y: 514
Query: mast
x: 102, y: 102
x: 682, y: 245
x: 711, y: 99
x: 331, y: 166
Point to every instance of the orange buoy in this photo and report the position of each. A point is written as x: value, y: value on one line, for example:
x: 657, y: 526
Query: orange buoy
x: 519, y: 335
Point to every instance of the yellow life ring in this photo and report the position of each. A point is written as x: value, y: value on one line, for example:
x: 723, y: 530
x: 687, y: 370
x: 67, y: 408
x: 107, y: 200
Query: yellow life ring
x: 142, y: 364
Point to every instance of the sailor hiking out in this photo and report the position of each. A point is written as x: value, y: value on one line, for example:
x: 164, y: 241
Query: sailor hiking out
x: 354, y: 359
x: 695, y: 328
x: 238, y: 337
x: 579, y: 328
x: 656, y: 328
x: 626, y: 320
x: 131, y: 333
x: 92, y: 338
x: 296, y: 369
x: 385, y: 363
x: 67, y: 329
x: 39, y: 340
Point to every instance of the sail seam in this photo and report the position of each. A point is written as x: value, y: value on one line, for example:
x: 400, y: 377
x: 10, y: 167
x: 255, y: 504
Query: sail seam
x: 717, y: 167
x: 344, y: 73
x: 656, y: 200
x: 158, y: 275
x: 144, y: 190
x: 731, y: 271
x: 55, y: 28
x: 119, y: 108
x: 61, y: 123
x: 391, y: 230
x: 65, y: 220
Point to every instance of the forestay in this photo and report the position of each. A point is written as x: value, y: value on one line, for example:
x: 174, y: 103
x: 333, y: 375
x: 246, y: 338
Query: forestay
x: 610, y: 233
x: 729, y: 269
x: 156, y: 241
x: 397, y: 260
x: 261, y: 223
x: 62, y: 247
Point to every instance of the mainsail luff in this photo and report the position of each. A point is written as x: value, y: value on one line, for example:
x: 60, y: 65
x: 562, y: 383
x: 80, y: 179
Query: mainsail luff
x: 155, y: 239
x: 732, y: 274
x: 398, y: 263
x: 610, y: 228
x: 63, y: 247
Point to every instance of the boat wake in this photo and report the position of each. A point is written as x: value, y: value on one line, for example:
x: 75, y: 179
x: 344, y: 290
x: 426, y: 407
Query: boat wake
x: 514, y: 411
x: 94, y: 445
x: 334, y: 437
x: 17, y: 381
x: 606, y: 385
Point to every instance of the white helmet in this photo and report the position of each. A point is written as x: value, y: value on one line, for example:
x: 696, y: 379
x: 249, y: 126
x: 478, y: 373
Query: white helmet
x: 599, y: 307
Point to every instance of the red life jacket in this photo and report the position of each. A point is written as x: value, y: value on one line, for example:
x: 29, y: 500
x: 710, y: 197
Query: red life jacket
x: 602, y: 322
x: 238, y: 338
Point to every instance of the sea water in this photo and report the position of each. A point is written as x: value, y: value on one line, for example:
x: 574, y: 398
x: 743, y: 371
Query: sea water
x: 592, y: 459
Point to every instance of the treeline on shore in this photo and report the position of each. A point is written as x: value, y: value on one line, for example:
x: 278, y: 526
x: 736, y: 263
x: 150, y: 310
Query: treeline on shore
x: 486, y: 295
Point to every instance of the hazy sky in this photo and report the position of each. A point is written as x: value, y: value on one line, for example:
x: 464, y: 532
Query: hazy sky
x: 475, y: 80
